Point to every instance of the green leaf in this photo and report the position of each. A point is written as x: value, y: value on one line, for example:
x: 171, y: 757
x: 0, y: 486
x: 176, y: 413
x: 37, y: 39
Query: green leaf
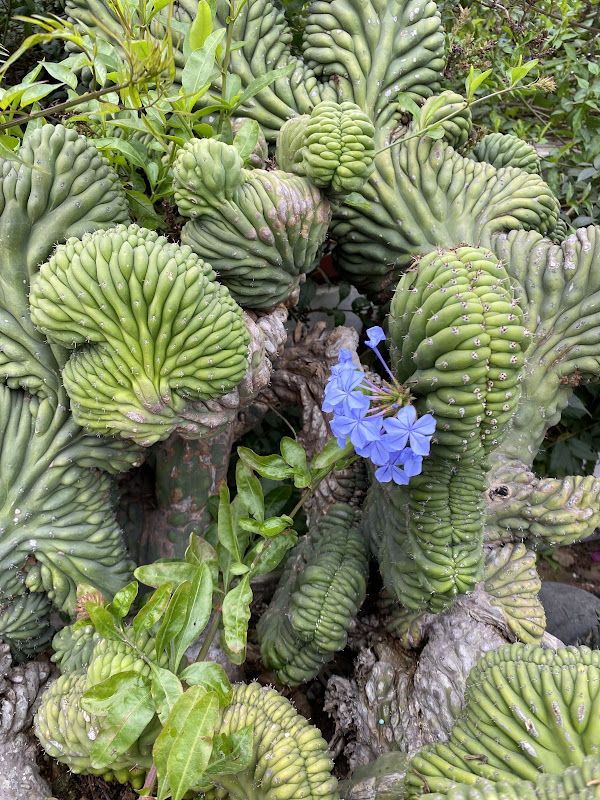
x: 173, y: 621
x: 276, y: 500
x: 198, y: 611
x: 273, y: 467
x: 236, y: 615
x: 166, y: 691
x: 435, y: 133
x: 275, y: 525
x: 406, y: 103
x: 356, y: 200
x: 153, y: 610
x: 246, y: 138
x: 210, y: 675
x: 517, y: 74
x: 123, y: 599
x: 35, y: 93
x: 201, y: 27
x: 232, y: 753
x: 201, y: 64
x: 102, y: 620
x: 238, y: 569
x: 235, y: 658
x: 101, y: 697
x: 122, y: 726
x: 249, y: 490
x: 474, y: 81
x: 182, y: 749
x: 294, y: 454
x: 199, y: 551
x: 270, y: 552
x: 248, y: 524
x: 226, y: 530
x: 126, y: 149
x: 61, y: 73
x: 331, y: 453
x: 160, y: 572
x: 258, y: 84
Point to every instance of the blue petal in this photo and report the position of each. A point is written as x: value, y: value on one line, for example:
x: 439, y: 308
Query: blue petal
x: 375, y: 335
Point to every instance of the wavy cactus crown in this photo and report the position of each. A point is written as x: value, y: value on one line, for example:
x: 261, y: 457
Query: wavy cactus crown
x: 163, y: 332
x: 527, y: 710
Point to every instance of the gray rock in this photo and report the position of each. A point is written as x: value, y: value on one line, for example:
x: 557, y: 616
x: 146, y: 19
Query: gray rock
x: 19, y: 776
x: 572, y: 614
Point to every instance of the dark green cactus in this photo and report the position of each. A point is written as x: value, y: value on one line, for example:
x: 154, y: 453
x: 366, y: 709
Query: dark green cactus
x: 319, y: 594
x: 456, y: 343
x: 164, y: 332
x: 506, y: 150
x: 24, y: 624
x: 576, y: 783
x: 526, y: 710
x: 260, y: 230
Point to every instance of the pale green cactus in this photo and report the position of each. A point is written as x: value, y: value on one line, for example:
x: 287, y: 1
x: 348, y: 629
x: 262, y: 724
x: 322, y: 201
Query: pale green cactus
x: 576, y: 783
x: 260, y: 230
x: 289, y: 756
x: 506, y: 150
x: 163, y: 332
x: 319, y: 594
x: 73, y: 647
x: 458, y: 128
x: 526, y: 710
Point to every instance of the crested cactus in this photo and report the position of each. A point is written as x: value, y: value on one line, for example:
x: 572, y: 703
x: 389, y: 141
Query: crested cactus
x: 457, y: 129
x: 457, y: 337
x: 260, y: 230
x: 506, y: 150
x: 73, y: 647
x: 527, y: 710
x: 289, y: 756
x: 319, y: 594
x: 164, y: 332
x: 576, y: 783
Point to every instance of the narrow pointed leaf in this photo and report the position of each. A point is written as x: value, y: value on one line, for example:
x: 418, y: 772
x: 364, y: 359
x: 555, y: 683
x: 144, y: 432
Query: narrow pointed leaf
x: 166, y: 691
x: 250, y: 491
x: 198, y: 611
x: 156, y: 574
x: 123, y: 599
x: 101, y: 697
x: 236, y: 615
x: 173, y: 621
x: 225, y: 527
x: 153, y: 610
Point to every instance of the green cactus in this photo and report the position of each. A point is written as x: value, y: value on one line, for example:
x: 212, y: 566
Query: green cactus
x: 24, y: 624
x: 338, y: 147
x: 73, y: 647
x: 319, y: 594
x: 260, y: 230
x: 67, y: 733
x: 576, y: 783
x: 109, y: 657
x: 512, y: 583
x: 458, y: 128
x: 138, y: 299
x: 289, y: 757
x: 506, y: 150
x: 423, y: 195
x: 456, y: 343
x: 526, y: 710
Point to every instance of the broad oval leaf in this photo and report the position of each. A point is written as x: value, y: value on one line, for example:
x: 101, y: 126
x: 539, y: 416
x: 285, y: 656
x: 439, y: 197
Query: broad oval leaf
x: 102, y: 620
x: 101, y: 697
x: 273, y: 467
x: 201, y: 64
x: 166, y: 691
x: 248, y: 486
x: 123, y: 599
x: 294, y: 454
x: 231, y: 754
x: 122, y: 725
x: 201, y: 27
x: 153, y: 610
x: 210, y: 675
x: 156, y: 574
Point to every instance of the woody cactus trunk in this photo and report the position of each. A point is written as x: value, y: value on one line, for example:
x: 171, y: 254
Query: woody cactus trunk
x: 121, y: 341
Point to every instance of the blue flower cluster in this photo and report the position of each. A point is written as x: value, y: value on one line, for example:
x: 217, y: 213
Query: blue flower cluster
x: 381, y: 424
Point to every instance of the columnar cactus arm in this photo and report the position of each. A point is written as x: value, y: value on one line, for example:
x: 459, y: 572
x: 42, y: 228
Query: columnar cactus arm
x: 319, y: 594
x: 290, y: 758
x: 260, y: 230
x: 527, y: 709
x: 456, y: 343
x: 559, y: 289
x: 423, y: 195
x: 58, y: 528
x: 63, y: 187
